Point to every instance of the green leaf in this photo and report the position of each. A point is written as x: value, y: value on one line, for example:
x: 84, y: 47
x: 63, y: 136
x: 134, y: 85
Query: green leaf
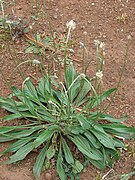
x: 39, y: 162
x: 84, y: 146
x: 83, y: 122
x: 68, y: 155
x: 50, y: 152
x: 111, y: 118
x: 24, y: 133
x: 60, y: 168
x: 94, y: 101
x: 120, y: 130
x: 99, y: 164
x: 29, y: 49
x: 17, y: 145
x: 70, y: 75
x: 77, y: 167
x: 44, y: 136
x: 104, y: 96
x: 6, y: 138
x: 12, y: 116
x: 83, y: 91
x: 21, y: 153
x: 103, y: 138
x: 20, y: 115
x: 92, y: 139
x: 118, y: 143
x: 5, y: 129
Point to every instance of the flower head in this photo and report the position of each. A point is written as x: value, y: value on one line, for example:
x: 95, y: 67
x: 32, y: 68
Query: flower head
x: 96, y: 42
x: 102, y: 45
x: 81, y: 45
x: 35, y: 62
x: 9, y: 22
x: 99, y: 74
x: 71, y: 24
x: 99, y: 44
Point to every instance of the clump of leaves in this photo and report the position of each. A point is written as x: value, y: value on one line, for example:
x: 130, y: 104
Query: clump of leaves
x: 62, y: 121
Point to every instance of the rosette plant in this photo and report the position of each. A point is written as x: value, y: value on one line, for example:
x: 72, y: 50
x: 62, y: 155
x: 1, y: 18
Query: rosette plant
x: 63, y: 121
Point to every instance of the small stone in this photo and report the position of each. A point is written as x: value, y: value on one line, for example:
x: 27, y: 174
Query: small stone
x: 48, y: 176
x: 55, y: 16
x: 92, y: 4
x: 19, y: 8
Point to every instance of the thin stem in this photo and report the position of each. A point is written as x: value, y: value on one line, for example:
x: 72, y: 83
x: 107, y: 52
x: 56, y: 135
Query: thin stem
x: 121, y: 75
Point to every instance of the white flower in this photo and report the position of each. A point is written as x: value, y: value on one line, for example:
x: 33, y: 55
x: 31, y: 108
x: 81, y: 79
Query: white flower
x: 9, y: 22
x: 96, y: 42
x: 35, y: 61
x: 99, y: 74
x: 71, y: 24
x: 81, y: 45
x: 102, y: 45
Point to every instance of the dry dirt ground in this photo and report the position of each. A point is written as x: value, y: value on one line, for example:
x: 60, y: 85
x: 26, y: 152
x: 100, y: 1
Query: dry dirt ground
x: 110, y: 21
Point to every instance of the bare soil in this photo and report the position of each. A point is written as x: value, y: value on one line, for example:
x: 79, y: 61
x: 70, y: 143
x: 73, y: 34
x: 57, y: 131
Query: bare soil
x: 101, y: 20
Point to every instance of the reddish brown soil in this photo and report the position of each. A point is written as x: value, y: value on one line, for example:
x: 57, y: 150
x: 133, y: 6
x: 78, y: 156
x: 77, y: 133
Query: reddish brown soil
x: 99, y: 19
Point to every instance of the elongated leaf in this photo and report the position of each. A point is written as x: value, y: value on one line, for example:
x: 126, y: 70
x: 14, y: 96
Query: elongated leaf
x: 84, y: 147
x: 60, y: 168
x: 120, y: 130
x: 92, y: 139
x: 112, y: 119
x: 6, y: 138
x: 76, y: 129
x: 8, y: 104
x: 68, y: 155
x: 5, y: 129
x: 18, y: 93
x: 17, y: 145
x: 77, y: 167
x: 103, y: 138
x: 39, y: 162
x: 21, y: 153
x: 43, y: 137
x: 50, y: 152
x: 83, y: 91
x: 118, y: 143
x: 104, y: 96
x: 24, y: 133
x: 12, y: 116
x: 94, y: 101
x: 83, y: 122
x: 44, y: 87
x: 69, y: 75
x: 74, y: 90
x: 99, y: 164
x: 20, y: 115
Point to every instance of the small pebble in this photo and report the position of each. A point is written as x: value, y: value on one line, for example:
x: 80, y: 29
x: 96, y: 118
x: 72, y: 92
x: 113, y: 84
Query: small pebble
x: 48, y: 176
